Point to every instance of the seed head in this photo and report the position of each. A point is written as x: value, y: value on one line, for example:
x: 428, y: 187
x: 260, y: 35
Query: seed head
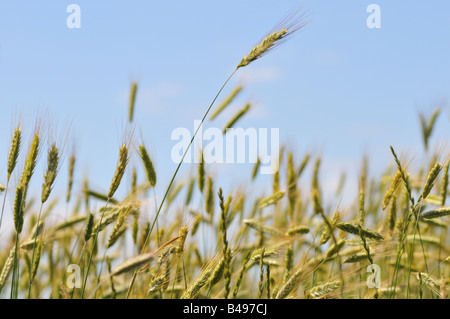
x: 18, y: 209
x: 148, y: 164
x: 286, y: 28
x: 51, y: 172
x: 120, y: 170
x: 14, y: 151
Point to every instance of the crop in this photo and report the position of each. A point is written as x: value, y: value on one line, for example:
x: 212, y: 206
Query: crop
x: 285, y: 243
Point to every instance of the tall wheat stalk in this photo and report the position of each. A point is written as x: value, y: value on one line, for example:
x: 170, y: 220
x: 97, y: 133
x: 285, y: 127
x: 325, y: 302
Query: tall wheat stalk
x: 116, y: 180
x: 13, y: 155
x: 290, y: 25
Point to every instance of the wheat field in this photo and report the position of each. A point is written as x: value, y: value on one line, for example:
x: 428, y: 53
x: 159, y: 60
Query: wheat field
x: 391, y: 242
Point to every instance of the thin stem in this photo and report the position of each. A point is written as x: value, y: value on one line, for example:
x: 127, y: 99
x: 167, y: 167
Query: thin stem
x: 330, y: 229
x: 34, y: 250
x: 101, y: 269
x: 176, y: 272
x: 399, y: 254
x: 72, y: 252
x: 4, y: 201
x: 429, y: 273
x: 416, y: 230
x: 157, y: 226
x: 94, y: 242
x: 175, y: 174
x: 79, y: 262
x: 15, y: 278
x: 184, y: 273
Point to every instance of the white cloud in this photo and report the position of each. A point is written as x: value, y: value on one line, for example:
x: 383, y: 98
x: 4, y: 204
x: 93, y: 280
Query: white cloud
x: 260, y: 74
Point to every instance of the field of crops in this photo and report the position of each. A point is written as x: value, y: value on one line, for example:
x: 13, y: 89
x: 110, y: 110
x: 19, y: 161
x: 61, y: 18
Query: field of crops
x: 391, y: 242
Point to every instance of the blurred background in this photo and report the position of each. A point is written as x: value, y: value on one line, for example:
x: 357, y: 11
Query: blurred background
x: 337, y: 89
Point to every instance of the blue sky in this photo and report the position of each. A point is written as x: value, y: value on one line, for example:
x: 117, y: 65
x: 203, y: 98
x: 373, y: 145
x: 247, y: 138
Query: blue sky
x: 337, y: 89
